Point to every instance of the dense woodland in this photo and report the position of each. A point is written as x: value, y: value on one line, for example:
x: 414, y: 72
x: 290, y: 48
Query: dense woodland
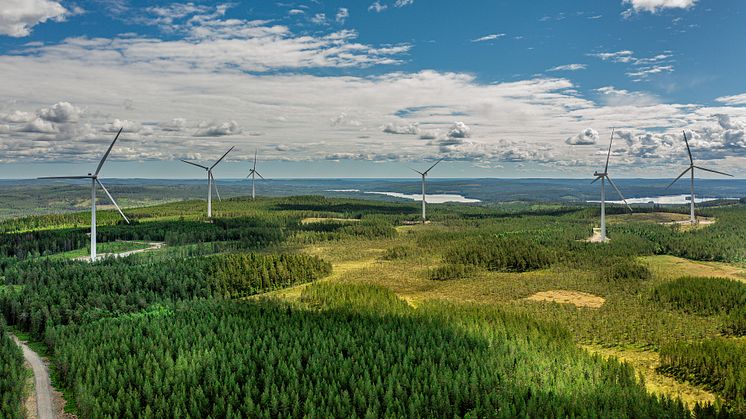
x: 12, y: 377
x: 175, y: 311
x: 719, y: 364
x: 268, y: 359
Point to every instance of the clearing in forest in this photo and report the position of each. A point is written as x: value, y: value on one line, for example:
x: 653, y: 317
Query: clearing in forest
x: 576, y: 298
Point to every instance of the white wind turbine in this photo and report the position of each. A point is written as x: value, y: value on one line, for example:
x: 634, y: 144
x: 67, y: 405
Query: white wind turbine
x: 692, y: 166
x: 253, y: 173
x: 210, y: 181
x: 94, y: 181
x: 604, y: 176
x: 424, y: 174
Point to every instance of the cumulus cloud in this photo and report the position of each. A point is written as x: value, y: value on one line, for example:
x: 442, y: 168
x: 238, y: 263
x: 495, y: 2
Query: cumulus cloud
x: 176, y: 124
x: 569, y: 67
x: 344, y: 119
x: 588, y: 136
x: 342, y: 14
x: 459, y: 130
x: 654, y: 6
x: 377, y: 7
x: 39, y: 125
x: 319, y: 19
x: 125, y: 125
x: 18, y: 17
x: 402, y: 3
x: 18, y: 116
x: 4, y: 128
x: 218, y: 130
x: 408, y: 129
x: 60, y: 112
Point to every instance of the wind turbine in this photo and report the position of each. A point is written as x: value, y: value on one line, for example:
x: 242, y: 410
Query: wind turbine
x: 424, y: 174
x: 604, y: 176
x: 210, y: 181
x: 95, y: 180
x: 253, y: 173
x: 692, y: 166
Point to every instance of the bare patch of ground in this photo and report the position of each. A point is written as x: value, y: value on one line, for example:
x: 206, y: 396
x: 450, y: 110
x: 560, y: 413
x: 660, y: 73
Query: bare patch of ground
x: 311, y: 220
x: 576, y: 298
x: 152, y: 246
x: 596, y: 237
x: 645, y: 363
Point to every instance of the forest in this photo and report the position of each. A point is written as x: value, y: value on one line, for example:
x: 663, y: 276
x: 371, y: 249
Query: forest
x: 12, y: 376
x: 340, y: 307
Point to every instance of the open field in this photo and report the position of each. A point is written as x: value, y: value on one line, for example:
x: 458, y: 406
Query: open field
x: 306, y: 264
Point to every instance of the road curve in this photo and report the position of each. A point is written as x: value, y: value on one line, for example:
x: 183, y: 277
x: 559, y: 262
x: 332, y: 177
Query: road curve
x: 41, y: 381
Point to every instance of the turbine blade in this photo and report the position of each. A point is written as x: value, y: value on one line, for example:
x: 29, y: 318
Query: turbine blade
x: 611, y: 140
x: 713, y: 171
x: 195, y: 164
x: 221, y: 159
x: 216, y: 186
x: 682, y: 174
x: 65, y: 177
x: 255, y: 151
x: 436, y: 163
x: 101, y: 163
x: 596, y: 179
x: 619, y: 192
x: 251, y: 172
x: 688, y: 150
x: 416, y: 171
x: 111, y: 198
x: 259, y: 174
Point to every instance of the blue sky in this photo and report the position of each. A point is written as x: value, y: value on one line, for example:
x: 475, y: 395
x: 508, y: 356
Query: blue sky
x: 352, y: 89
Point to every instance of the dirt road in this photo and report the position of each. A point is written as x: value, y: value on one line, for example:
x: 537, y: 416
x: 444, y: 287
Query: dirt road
x: 41, y: 381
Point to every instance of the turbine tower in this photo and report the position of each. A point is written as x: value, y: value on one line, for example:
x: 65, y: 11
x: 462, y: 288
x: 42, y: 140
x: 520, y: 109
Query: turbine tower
x: 253, y: 173
x: 604, y: 176
x: 692, y: 166
x: 95, y: 181
x: 210, y: 181
x: 424, y: 174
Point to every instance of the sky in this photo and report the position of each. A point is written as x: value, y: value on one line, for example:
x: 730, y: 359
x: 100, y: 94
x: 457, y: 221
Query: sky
x: 370, y: 88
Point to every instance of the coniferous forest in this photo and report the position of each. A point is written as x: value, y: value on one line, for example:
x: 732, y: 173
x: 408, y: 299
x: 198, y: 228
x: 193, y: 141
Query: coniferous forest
x: 320, y: 307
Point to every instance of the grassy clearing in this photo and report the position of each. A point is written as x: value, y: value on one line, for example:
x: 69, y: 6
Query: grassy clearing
x: 671, y: 267
x: 646, y: 363
x: 103, y: 248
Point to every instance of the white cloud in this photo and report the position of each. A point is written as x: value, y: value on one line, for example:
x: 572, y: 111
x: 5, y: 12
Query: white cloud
x: 229, y: 45
x: 294, y: 12
x: 125, y: 125
x: 490, y: 37
x: 319, y: 19
x: 4, y: 128
x: 588, y: 136
x: 623, y: 56
x: 39, y: 125
x: 611, y: 96
x: 377, y: 7
x: 733, y: 100
x: 175, y: 125
x: 18, y: 17
x: 569, y: 67
x: 218, y: 130
x: 402, y: 3
x: 654, y: 6
x: 459, y: 130
x: 408, y: 129
x: 60, y: 112
x: 342, y: 15
x: 18, y: 116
